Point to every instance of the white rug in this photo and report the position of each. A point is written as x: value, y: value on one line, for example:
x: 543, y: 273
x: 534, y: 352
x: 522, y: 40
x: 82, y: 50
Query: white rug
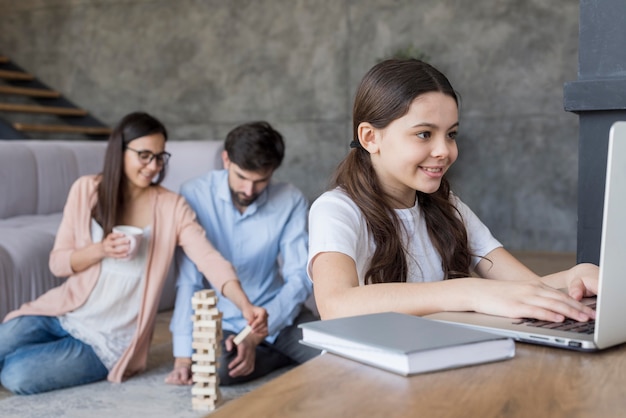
x: 145, y: 395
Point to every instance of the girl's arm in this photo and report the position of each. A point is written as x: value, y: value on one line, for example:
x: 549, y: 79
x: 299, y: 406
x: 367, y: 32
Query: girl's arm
x: 500, y: 264
x: 338, y: 294
x: 579, y: 281
x: 522, y: 294
x: 547, y: 301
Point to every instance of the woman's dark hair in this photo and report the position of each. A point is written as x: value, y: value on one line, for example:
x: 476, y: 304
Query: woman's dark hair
x: 110, y: 204
x: 384, y: 95
x: 255, y: 146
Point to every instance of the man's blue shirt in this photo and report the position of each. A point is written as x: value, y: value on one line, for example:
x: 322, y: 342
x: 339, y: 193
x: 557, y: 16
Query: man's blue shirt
x: 267, y: 245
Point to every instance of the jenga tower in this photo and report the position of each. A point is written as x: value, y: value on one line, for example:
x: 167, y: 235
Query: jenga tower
x: 207, y: 334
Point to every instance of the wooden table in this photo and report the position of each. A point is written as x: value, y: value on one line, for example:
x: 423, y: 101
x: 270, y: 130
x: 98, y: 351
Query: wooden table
x: 539, y: 382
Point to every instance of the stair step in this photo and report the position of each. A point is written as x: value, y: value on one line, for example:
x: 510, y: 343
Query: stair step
x: 88, y: 130
x: 27, y: 91
x: 15, y: 75
x: 51, y: 110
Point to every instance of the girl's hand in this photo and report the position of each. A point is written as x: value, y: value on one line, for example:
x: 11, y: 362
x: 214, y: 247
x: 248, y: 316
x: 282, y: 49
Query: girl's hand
x: 529, y: 299
x: 257, y: 319
x: 517, y: 292
x: 582, y: 280
x: 115, y: 245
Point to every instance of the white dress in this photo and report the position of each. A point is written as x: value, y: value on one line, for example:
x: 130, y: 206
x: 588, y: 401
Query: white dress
x: 107, y: 321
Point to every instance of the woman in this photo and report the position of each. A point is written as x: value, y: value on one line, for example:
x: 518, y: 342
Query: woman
x: 99, y: 323
x: 391, y: 232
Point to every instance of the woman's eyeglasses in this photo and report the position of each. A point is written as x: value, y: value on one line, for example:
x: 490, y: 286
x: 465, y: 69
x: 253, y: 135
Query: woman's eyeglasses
x: 146, y: 156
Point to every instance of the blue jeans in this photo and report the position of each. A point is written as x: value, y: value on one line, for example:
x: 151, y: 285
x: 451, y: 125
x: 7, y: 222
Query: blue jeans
x: 38, y: 355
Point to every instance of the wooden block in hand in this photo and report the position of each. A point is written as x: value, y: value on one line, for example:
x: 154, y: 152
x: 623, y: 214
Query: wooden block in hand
x: 243, y: 334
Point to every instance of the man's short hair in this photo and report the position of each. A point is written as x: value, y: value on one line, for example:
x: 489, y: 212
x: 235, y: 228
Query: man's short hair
x: 255, y: 146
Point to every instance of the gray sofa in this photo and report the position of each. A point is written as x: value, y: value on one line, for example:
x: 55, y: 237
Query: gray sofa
x: 35, y: 177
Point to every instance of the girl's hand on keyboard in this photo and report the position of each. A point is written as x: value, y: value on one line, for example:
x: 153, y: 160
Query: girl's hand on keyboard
x: 582, y: 280
x: 526, y: 299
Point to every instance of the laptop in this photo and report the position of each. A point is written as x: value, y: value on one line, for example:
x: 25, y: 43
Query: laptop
x: 609, y: 328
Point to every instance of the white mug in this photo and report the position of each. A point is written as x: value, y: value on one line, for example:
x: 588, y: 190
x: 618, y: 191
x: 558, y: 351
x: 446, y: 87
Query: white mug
x: 134, y: 234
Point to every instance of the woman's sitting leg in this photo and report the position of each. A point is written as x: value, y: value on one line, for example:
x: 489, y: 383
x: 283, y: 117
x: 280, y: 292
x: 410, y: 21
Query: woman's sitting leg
x: 38, y: 355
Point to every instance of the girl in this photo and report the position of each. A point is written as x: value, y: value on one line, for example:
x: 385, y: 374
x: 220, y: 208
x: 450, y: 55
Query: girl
x: 99, y: 323
x: 390, y: 233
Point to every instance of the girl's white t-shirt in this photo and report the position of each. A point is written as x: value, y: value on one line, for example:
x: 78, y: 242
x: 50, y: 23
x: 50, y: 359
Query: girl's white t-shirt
x: 336, y: 224
x: 108, y: 320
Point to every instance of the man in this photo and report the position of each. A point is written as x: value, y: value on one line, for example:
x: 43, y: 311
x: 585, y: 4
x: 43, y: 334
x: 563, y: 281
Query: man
x: 260, y: 227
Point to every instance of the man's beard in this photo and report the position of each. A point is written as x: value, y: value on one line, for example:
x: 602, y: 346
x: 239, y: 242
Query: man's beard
x: 240, y: 200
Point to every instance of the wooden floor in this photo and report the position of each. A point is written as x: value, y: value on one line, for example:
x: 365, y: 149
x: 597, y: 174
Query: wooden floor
x: 162, y: 332
x: 541, y: 263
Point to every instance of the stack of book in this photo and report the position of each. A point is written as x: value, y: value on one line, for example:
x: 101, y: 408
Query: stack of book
x: 406, y: 344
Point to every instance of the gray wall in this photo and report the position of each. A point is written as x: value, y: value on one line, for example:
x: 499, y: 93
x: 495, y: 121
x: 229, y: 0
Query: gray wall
x: 203, y: 67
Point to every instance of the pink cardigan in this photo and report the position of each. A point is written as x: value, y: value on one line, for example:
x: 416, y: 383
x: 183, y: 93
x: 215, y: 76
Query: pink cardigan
x: 174, y: 223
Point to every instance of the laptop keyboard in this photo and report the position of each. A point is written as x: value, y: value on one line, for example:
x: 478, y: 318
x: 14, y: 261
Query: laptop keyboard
x: 568, y: 325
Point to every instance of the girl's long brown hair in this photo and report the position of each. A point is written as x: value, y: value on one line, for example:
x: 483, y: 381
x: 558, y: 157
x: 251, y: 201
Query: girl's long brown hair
x: 385, y: 94
x: 110, y: 205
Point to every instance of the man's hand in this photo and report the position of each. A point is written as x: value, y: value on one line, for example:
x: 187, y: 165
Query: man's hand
x: 181, y: 373
x: 243, y: 364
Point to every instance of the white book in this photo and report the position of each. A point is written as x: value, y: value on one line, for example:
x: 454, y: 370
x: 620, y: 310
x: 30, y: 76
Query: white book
x: 406, y: 344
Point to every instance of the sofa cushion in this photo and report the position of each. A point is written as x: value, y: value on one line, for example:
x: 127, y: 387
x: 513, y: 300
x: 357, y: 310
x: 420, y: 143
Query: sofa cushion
x: 18, y: 180
x: 191, y: 159
x: 26, y: 252
x: 37, y: 175
x: 46, y: 223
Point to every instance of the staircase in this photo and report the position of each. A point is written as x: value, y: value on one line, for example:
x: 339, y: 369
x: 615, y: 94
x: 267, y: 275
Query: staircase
x: 30, y: 109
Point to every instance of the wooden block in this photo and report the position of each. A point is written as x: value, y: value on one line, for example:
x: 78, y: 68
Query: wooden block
x: 210, y: 351
x: 204, y: 293
x: 204, y: 389
x: 205, y: 333
x: 210, y: 301
x: 205, y: 348
x: 208, y: 391
x: 242, y: 334
x: 205, y: 399
x: 206, y: 408
x: 205, y: 378
x: 213, y: 311
x: 201, y: 368
x: 212, y: 398
x: 212, y: 343
x: 203, y: 336
x: 205, y: 385
x: 204, y: 404
x: 197, y: 357
x: 203, y: 310
x: 209, y: 328
x: 207, y: 323
x: 204, y: 345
